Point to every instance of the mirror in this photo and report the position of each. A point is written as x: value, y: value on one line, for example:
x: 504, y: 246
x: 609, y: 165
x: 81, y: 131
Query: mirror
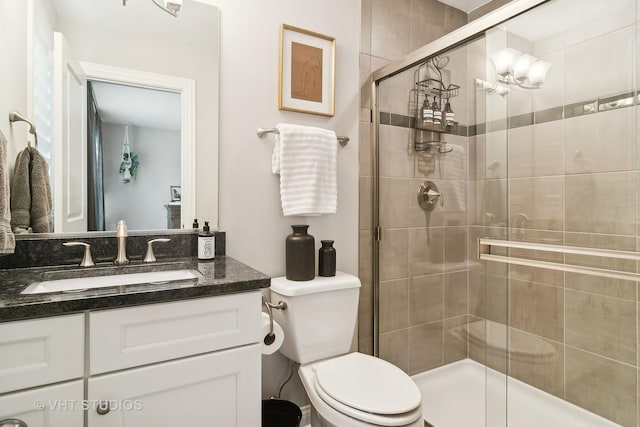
x: 163, y: 69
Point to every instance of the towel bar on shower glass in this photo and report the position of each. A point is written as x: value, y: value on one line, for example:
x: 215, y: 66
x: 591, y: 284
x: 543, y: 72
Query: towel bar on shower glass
x: 485, y: 248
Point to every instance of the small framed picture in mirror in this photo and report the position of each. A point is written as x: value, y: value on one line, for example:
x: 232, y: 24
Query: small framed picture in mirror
x: 176, y: 193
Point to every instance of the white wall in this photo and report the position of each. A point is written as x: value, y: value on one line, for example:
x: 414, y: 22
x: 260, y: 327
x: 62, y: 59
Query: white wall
x: 141, y: 201
x: 250, y: 209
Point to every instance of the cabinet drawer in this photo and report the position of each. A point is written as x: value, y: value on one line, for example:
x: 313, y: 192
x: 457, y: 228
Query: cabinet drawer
x: 41, y: 351
x: 62, y: 405
x: 136, y: 336
x: 214, y: 389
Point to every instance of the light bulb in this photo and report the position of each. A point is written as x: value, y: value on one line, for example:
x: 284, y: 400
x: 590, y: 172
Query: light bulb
x: 504, y: 61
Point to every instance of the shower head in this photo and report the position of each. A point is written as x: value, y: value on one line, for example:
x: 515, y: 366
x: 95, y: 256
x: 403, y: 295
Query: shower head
x: 440, y: 61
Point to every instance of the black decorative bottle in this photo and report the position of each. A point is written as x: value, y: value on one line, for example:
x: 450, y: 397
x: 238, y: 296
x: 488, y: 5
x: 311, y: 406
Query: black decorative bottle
x: 300, y: 254
x: 327, y: 259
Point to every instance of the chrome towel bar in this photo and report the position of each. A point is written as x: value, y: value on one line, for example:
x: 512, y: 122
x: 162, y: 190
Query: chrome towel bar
x: 485, y: 246
x: 342, y: 140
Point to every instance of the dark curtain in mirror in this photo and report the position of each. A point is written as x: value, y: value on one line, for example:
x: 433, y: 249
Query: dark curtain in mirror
x: 95, y: 184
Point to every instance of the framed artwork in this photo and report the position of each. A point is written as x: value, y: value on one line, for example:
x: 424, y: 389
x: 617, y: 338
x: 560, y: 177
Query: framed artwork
x: 307, y: 71
x: 176, y: 193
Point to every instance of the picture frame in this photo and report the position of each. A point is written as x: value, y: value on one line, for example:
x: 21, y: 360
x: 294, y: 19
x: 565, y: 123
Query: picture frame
x: 307, y: 71
x: 176, y: 193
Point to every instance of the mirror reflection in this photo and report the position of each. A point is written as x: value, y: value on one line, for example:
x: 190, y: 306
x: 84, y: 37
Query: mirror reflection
x: 112, y: 93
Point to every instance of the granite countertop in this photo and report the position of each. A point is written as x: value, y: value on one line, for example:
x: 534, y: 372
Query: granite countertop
x: 224, y: 275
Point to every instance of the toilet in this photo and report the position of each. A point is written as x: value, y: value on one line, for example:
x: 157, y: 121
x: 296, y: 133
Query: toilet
x: 346, y: 389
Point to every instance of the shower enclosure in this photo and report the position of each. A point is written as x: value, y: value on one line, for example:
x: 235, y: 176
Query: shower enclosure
x: 506, y: 198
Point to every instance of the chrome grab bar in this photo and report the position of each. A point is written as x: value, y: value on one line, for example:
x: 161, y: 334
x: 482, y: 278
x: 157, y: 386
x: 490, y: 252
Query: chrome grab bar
x: 485, y: 245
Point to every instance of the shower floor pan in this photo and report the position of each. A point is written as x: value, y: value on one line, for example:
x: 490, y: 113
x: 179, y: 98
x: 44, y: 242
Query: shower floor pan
x: 463, y: 394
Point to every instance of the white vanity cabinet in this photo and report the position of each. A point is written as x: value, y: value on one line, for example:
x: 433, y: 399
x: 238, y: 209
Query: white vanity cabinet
x: 34, y: 354
x: 191, y: 362
x: 201, y: 364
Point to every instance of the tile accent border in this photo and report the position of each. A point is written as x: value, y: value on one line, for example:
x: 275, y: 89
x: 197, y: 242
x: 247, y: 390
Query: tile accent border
x: 591, y: 106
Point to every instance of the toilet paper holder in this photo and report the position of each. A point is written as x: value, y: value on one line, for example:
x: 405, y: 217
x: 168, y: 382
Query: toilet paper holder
x: 281, y: 305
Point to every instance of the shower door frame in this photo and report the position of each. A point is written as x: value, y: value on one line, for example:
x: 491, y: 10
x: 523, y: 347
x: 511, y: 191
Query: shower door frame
x: 464, y: 34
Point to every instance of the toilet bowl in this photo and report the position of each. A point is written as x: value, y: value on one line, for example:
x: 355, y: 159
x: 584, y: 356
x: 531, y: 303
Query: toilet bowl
x: 346, y: 389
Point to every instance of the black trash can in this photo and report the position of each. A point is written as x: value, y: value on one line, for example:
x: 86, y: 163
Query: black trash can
x: 280, y: 413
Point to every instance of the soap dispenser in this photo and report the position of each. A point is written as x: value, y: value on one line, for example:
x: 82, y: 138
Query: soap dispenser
x: 206, y: 243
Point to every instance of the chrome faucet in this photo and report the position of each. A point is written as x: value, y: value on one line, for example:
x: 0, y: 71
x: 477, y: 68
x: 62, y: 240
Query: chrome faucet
x: 121, y: 235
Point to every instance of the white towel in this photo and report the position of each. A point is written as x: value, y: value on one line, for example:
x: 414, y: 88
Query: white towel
x: 7, y: 239
x: 306, y: 159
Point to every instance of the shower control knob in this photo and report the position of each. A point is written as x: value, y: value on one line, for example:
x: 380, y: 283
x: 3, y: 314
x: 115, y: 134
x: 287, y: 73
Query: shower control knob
x: 429, y: 195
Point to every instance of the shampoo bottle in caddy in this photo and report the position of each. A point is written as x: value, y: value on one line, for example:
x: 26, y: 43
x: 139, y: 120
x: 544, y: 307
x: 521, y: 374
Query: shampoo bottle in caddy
x: 206, y: 243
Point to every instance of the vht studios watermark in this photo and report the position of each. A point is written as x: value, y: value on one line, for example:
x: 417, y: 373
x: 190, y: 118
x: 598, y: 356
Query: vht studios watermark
x: 61, y: 405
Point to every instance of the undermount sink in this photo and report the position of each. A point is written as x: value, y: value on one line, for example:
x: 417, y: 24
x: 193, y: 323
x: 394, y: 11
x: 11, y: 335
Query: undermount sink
x: 83, y: 283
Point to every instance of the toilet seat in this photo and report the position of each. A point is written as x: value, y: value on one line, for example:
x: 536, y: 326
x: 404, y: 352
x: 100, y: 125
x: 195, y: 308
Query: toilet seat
x: 368, y: 389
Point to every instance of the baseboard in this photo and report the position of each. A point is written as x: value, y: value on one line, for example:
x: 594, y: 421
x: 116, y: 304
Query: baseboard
x: 306, y: 416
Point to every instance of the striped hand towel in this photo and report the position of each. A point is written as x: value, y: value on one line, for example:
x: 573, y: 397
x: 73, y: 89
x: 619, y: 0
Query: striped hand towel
x: 306, y: 159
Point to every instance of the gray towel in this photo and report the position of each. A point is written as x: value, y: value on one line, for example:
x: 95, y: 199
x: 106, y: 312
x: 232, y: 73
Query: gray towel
x: 7, y: 239
x: 31, y: 193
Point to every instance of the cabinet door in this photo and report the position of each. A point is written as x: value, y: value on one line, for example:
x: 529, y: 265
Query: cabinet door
x: 52, y: 406
x: 215, y: 389
x: 41, y: 351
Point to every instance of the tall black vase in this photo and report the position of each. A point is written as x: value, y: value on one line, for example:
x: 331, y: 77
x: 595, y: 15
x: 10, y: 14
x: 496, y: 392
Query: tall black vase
x: 327, y: 259
x: 300, y: 254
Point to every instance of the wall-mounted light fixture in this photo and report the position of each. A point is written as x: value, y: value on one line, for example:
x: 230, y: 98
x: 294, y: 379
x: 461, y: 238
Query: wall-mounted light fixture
x: 520, y: 69
x: 172, y: 7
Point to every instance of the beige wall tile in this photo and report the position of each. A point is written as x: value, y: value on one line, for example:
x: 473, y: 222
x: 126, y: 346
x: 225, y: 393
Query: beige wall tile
x: 393, y: 93
x: 455, y: 248
x: 365, y: 153
x: 365, y: 26
x: 454, y: 18
x: 394, y: 348
x: 365, y: 345
x: 394, y: 305
x: 425, y: 347
x: 455, y: 294
x: 495, y: 166
x: 602, y: 325
x: 539, y: 199
x: 477, y: 300
x: 364, y: 256
x: 601, y: 285
x: 455, y: 339
x: 537, y: 308
x: 537, y: 361
x: 365, y: 81
x: 447, y: 166
x: 426, y: 251
x: 492, y: 209
x: 366, y: 204
x: 601, y: 385
x: 616, y: 216
x: 394, y: 254
x: 397, y: 152
x: 365, y: 311
x: 533, y: 150
x: 425, y: 299
x: 390, y: 27
x: 454, y: 209
x: 584, y: 151
x: 496, y: 296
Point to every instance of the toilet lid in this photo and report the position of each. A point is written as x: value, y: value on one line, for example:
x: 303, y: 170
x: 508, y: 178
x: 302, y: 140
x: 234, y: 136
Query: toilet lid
x: 368, y: 384
x: 375, y: 419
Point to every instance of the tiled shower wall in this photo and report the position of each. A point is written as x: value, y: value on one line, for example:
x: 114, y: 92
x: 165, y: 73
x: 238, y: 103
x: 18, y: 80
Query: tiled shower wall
x: 563, y: 169
x: 560, y: 170
x: 415, y: 307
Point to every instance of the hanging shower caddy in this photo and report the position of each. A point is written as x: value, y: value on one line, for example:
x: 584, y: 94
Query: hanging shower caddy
x: 433, y: 119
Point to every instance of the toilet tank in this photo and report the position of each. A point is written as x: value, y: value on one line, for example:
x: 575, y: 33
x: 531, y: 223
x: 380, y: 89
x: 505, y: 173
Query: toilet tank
x: 320, y: 317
